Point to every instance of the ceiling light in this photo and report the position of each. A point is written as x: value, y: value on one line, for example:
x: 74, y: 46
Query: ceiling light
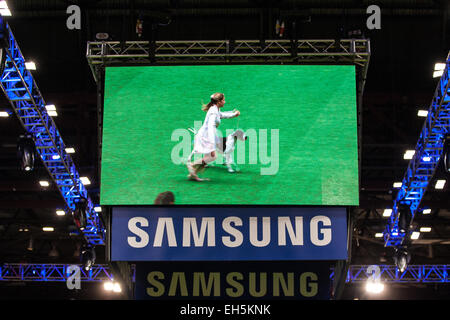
x: 70, y: 150
x: 44, y: 183
x: 48, y: 229
x: 4, y: 114
x: 379, y: 235
x: 422, y: 113
x: 108, y: 286
x: 85, y: 180
x: 440, y: 184
x: 409, y: 154
x: 397, y: 184
x: 30, y: 65
x: 374, y: 286
x: 426, y: 211
x: 117, y: 288
x: 415, y: 235
x: 60, y: 213
x: 425, y: 229
x: 439, y: 66
x: 5, y: 12
x: 387, y: 212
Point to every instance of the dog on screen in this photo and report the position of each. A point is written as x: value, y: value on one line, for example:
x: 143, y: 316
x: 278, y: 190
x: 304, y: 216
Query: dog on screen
x: 225, y: 146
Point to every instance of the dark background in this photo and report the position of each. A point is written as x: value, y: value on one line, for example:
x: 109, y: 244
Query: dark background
x: 414, y: 36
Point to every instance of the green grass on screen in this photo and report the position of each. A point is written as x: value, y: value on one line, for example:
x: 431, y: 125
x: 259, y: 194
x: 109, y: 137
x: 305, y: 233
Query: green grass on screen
x: 313, y: 107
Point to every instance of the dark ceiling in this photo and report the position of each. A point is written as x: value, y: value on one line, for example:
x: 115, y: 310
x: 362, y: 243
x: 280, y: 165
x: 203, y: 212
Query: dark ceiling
x: 413, y: 36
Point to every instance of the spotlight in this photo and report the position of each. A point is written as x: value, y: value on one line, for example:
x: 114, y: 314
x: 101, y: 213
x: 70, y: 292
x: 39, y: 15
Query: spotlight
x: 79, y: 214
x: 440, y: 184
x: 26, y: 152
x: 4, y: 10
x: 438, y: 70
x: 446, y: 152
x: 108, y: 286
x: 88, y: 257
x: 387, y: 212
x: 401, y: 258
x: 374, y: 286
x: 404, y: 217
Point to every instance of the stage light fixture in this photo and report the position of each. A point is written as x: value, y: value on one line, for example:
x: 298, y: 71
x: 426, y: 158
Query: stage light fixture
x: 79, y: 214
x: 70, y: 150
x: 56, y: 157
x: 379, y: 235
x: 401, y: 258
x: 425, y: 229
x: 48, y: 229
x: 60, y: 213
x: 30, y: 245
x: 26, y: 152
x: 98, y: 209
x: 426, y: 159
x: 426, y: 211
x: 404, y: 217
x: 4, y: 114
x: 88, y: 257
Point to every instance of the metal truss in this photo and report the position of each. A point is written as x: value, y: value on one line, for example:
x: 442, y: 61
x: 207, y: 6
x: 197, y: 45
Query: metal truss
x: 346, y: 51
x: 422, y: 166
x: 21, y: 90
x: 412, y: 274
x: 52, y: 272
x: 356, y: 273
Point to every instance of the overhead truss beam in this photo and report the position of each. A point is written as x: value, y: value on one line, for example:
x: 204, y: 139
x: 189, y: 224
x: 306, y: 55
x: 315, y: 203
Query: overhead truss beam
x: 21, y: 90
x: 422, y: 167
x: 110, y: 53
x: 356, y: 273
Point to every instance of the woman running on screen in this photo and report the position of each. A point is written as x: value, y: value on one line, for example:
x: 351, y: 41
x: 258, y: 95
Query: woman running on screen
x: 205, y: 138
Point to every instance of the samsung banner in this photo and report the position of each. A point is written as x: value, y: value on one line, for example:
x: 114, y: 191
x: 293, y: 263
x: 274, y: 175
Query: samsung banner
x: 236, y: 280
x: 228, y: 233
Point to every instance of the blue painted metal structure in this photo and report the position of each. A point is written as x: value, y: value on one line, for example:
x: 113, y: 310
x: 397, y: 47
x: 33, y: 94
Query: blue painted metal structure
x: 51, y: 272
x: 98, y: 273
x: 422, y: 166
x: 28, y: 104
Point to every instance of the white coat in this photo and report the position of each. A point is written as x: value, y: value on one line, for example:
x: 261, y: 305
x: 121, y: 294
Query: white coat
x: 205, y: 139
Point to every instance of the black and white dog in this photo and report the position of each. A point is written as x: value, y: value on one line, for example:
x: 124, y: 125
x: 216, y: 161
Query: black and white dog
x: 226, y: 147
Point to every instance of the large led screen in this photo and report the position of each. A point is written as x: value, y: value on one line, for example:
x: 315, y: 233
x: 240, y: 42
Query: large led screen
x: 293, y: 142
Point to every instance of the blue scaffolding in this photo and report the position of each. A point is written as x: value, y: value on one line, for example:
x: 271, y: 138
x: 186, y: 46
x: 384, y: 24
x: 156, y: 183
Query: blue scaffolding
x: 28, y: 104
x: 426, y: 158
x: 98, y: 273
